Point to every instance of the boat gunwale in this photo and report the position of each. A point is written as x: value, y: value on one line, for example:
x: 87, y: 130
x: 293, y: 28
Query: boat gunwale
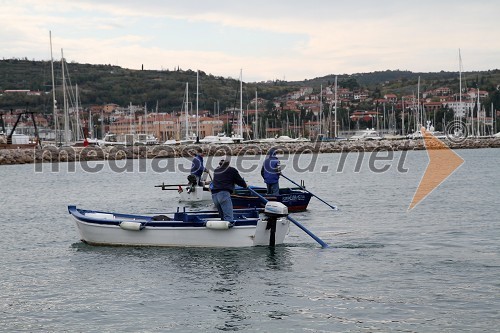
x: 147, y: 221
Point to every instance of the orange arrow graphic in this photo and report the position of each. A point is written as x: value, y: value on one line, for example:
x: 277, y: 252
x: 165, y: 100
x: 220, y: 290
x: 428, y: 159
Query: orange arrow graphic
x: 442, y: 163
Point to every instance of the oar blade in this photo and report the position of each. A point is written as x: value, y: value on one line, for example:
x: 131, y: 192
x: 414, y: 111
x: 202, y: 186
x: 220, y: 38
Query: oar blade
x: 316, y: 238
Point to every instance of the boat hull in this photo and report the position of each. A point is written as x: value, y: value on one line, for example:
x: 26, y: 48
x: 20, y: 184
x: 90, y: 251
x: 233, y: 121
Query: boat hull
x: 295, y: 199
x: 200, y: 193
x: 101, y: 228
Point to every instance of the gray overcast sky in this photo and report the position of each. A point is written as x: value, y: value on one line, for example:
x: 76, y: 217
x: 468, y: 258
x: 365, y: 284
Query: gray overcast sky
x: 291, y: 40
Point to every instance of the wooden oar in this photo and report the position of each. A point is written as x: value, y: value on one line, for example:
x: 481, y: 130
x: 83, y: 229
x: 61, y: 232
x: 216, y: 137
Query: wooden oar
x: 209, y: 175
x: 297, y: 223
x: 314, y: 195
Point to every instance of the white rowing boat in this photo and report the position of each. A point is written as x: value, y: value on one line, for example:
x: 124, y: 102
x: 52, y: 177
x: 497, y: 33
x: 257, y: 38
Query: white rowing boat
x: 251, y: 227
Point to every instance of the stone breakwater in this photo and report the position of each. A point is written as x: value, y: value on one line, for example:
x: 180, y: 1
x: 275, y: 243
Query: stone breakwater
x: 51, y: 154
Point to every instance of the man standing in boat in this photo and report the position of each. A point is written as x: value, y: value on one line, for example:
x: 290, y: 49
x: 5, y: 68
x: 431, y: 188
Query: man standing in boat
x: 271, y: 171
x: 225, y: 178
x: 197, y: 167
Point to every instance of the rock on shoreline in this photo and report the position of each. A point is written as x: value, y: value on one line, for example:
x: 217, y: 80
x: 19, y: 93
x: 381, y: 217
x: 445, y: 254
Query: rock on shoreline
x: 71, y: 154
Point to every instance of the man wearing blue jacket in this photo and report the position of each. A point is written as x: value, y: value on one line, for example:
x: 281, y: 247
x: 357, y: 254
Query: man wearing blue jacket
x: 271, y: 171
x: 225, y: 177
x: 197, y: 167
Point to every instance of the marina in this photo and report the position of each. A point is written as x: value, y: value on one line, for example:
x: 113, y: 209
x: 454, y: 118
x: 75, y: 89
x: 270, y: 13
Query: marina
x: 178, y: 166
x: 51, y: 154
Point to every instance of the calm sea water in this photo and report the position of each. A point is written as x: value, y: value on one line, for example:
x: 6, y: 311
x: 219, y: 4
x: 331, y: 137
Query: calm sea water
x: 435, y: 268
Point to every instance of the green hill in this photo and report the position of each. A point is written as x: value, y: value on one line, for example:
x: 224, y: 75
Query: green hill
x: 100, y: 84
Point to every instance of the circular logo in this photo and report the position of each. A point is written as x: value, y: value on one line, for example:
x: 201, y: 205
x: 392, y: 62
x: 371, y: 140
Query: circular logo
x: 456, y: 131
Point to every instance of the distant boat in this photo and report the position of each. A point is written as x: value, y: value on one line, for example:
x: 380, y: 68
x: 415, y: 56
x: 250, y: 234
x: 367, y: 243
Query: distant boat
x: 145, y: 139
x: 282, y: 139
x: 186, y: 141
x: 266, y: 140
x: 394, y: 137
x: 111, y: 139
x: 285, y: 139
x: 90, y: 143
x: 418, y: 135
x: 189, y: 193
x: 295, y: 199
x: 221, y: 138
x: 251, y: 227
x: 430, y: 129
x: 171, y: 142
x: 16, y: 140
x: 368, y: 134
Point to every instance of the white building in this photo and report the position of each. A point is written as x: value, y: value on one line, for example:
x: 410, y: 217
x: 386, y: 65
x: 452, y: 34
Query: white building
x: 461, y: 109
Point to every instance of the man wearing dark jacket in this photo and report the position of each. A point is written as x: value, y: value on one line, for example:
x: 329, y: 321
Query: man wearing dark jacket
x: 225, y: 177
x: 197, y: 166
x: 271, y: 171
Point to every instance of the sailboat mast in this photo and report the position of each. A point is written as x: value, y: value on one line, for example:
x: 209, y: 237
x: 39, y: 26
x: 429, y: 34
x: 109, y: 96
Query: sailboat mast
x: 187, y: 110
x: 419, y: 120
x: 402, y: 116
x: 460, y: 82
x: 478, y: 109
x: 90, y: 130
x: 54, y: 103
x: 197, y: 120
x: 130, y: 115
x: 66, y: 111
x: 256, y: 134
x: 241, y: 104
x: 158, y: 122
x: 146, y: 118
x: 77, y: 114
x: 493, y: 120
x: 320, y: 107
x: 335, y: 110
x: 103, y: 129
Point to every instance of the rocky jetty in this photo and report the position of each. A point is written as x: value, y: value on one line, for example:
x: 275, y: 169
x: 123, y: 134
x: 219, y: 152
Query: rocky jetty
x: 52, y: 154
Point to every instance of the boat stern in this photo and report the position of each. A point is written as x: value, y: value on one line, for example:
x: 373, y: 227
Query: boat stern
x: 273, y: 229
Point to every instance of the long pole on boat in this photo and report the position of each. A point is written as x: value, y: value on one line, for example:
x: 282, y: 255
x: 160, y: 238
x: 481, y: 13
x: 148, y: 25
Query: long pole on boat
x: 314, y: 195
x: 297, y: 223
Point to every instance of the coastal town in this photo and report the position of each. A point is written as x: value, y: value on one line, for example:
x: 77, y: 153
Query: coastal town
x: 331, y: 113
